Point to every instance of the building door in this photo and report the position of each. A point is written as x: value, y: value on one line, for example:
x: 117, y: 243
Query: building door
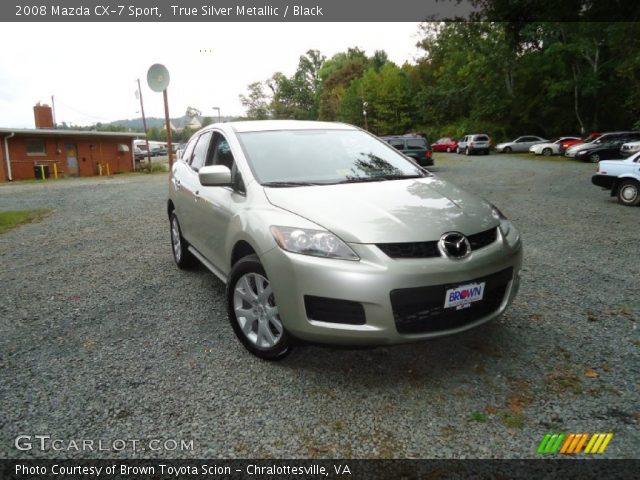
x: 72, y: 160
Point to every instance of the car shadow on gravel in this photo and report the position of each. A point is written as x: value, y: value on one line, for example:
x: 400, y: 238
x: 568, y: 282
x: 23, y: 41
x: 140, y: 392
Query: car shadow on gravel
x: 483, y: 349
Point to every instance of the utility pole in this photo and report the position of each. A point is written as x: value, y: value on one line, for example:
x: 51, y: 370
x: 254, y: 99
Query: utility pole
x: 144, y: 124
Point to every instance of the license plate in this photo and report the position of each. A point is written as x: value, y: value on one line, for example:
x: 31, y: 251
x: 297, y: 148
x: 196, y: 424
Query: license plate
x: 464, y: 295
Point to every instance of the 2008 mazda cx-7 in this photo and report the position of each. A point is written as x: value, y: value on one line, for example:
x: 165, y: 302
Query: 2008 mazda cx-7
x: 324, y: 233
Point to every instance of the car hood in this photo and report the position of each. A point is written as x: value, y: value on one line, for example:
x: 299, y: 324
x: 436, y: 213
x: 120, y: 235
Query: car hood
x: 581, y: 146
x: 392, y: 211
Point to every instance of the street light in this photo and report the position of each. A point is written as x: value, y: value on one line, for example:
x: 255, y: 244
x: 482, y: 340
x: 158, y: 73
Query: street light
x: 364, y: 112
x: 218, y: 109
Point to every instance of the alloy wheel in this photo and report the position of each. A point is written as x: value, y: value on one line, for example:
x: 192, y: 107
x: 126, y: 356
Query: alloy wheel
x: 256, y: 311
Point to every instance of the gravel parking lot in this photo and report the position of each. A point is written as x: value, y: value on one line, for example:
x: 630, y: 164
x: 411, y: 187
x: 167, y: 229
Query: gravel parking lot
x: 101, y: 337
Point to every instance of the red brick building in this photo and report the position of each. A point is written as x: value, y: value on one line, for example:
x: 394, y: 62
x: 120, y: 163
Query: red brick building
x: 73, y: 152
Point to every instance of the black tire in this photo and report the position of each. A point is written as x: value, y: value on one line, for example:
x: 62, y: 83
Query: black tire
x: 448, y: 149
x: 546, y: 152
x: 179, y: 246
x: 594, y: 158
x: 629, y: 193
x: 467, y: 151
x: 507, y: 150
x: 249, y: 268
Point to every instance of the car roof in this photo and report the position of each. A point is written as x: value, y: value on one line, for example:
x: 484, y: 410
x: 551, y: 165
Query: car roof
x: 270, y: 125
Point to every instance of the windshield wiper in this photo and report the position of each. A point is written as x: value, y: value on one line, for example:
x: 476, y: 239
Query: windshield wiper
x: 379, y: 178
x: 290, y: 184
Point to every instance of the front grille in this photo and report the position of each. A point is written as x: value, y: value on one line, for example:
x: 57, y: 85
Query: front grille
x: 483, y: 239
x: 410, y: 249
x: 334, y: 310
x: 421, y: 309
x: 430, y: 249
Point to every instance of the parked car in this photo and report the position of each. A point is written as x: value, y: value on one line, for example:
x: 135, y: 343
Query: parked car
x: 570, y: 143
x: 445, y: 144
x: 413, y: 146
x: 475, y: 143
x: 139, y: 153
x: 629, y: 148
x: 621, y: 178
x: 324, y: 233
x: 552, y: 148
x: 520, y: 144
x: 609, y: 137
x: 158, y: 151
x: 601, y: 151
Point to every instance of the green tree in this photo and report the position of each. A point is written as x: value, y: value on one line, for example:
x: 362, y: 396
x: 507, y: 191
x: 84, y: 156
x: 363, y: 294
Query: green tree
x: 255, y: 102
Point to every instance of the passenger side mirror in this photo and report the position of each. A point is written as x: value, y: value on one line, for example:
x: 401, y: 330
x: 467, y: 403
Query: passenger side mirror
x: 215, y: 176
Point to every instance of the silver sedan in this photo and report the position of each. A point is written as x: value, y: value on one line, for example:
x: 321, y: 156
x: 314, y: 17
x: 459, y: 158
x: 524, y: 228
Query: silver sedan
x: 520, y: 144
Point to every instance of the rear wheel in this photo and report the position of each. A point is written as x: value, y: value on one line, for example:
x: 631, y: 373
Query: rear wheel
x: 448, y: 149
x: 253, y: 311
x: 546, y: 152
x: 629, y: 193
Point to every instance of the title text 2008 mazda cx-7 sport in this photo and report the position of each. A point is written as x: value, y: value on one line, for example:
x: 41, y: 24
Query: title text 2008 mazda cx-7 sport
x: 324, y: 233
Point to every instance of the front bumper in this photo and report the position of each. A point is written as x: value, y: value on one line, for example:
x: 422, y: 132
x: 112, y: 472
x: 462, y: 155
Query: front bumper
x: 374, y: 283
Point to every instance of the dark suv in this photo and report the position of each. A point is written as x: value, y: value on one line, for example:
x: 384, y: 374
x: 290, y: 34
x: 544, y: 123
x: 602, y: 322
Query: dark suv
x: 413, y: 146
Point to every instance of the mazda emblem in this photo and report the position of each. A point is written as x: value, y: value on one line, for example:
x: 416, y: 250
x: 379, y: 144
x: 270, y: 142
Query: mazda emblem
x: 454, y: 245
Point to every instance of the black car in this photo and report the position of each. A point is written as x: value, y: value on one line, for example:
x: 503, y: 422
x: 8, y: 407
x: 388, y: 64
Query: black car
x: 607, y: 150
x: 413, y: 146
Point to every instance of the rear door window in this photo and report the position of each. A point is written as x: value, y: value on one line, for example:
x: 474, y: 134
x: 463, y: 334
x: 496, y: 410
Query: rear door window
x: 397, y: 144
x: 416, y: 144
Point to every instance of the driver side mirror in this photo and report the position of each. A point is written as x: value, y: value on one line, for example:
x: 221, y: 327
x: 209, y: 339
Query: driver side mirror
x: 215, y: 176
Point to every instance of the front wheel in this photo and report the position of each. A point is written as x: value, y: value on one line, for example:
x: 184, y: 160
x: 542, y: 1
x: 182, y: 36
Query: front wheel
x: 467, y: 151
x: 179, y: 246
x: 253, y: 311
x: 507, y: 150
x: 594, y: 158
x: 629, y: 193
x: 448, y: 149
x: 546, y: 152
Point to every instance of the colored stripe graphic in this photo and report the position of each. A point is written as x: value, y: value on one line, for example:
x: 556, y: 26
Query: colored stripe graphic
x: 598, y: 442
x: 574, y: 443
x: 550, y: 443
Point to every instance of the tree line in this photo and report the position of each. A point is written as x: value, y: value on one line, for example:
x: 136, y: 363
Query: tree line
x: 500, y: 78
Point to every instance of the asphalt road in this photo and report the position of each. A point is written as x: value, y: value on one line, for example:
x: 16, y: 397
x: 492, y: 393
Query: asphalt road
x: 102, y: 338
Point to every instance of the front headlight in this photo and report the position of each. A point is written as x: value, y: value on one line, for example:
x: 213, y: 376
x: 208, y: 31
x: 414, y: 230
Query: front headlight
x: 318, y: 243
x: 505, y: 223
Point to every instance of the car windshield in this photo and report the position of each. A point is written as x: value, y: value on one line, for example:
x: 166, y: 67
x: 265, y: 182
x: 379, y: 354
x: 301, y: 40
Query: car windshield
x: 284, y: 158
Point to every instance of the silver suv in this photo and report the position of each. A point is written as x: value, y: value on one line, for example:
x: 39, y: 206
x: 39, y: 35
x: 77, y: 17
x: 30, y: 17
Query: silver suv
x: 324, y: 233
x: 476, y: 143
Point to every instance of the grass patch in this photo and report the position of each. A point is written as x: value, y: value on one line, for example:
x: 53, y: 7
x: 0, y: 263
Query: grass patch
x: 477, y: 417
x: 11, y: 219
x: 158, y: 167
x: 511, y: 419
x: 565, y: 381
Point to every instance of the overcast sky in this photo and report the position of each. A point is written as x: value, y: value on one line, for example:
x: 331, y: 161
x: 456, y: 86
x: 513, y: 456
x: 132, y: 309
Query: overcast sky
x: 91, y: 68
